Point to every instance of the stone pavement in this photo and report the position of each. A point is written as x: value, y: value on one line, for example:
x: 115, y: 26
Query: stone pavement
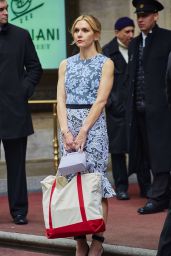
x: 6, y: 251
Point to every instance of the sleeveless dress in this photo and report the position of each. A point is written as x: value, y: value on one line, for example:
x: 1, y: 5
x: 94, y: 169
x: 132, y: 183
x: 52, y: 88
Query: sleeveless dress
x: 81, y: 84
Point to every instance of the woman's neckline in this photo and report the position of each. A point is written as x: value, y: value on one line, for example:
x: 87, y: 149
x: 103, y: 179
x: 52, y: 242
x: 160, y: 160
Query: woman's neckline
x: 88, y: 59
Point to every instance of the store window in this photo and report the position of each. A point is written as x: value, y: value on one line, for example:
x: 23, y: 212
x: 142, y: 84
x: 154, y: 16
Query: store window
x: 45, y: 20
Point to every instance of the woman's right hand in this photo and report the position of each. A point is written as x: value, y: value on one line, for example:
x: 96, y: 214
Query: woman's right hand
x: 80, y: 139
x: 68, y: 140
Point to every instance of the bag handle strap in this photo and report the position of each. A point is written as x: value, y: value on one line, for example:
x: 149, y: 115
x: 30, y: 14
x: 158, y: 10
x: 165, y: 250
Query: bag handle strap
x: 80, y: 198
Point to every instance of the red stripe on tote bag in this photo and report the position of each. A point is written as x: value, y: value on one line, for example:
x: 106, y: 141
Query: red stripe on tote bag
x: 80, y: 197
x: 50, y: 215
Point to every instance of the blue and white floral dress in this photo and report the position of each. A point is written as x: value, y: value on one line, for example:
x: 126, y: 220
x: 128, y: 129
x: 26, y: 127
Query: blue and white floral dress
x: 82, y: 80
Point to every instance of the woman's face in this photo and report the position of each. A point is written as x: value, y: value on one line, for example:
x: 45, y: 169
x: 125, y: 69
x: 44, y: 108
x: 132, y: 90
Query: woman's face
x: 83, y: 34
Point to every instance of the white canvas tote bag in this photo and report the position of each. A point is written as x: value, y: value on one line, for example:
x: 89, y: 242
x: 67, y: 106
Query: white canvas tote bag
x: 73, y: 208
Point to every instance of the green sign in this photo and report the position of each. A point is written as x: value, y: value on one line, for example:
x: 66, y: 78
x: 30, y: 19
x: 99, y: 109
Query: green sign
x: 45, y: 20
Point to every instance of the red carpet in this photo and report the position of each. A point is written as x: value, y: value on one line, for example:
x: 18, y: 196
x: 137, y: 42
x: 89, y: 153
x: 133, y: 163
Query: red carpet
x: 125, y: 226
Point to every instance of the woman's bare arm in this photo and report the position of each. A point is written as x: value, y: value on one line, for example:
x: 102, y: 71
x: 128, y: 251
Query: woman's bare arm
x: 105, y: 87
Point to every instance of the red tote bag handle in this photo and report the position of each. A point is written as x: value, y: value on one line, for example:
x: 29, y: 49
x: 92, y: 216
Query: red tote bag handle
x: 80, y: 198
x: 51, y: 194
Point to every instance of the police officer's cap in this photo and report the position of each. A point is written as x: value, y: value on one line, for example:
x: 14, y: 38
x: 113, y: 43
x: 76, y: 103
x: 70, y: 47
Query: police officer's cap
x: 147, y: 6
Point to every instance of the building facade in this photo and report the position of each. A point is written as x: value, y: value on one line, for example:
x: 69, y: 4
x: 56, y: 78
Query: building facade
x: 109, y: 10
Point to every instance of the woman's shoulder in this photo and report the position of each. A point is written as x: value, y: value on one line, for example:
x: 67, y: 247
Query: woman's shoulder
x: 108, y: 65
x: 69, y: 59
x: 105, y: 59
x: 63, y: 64
x: 102, y: 57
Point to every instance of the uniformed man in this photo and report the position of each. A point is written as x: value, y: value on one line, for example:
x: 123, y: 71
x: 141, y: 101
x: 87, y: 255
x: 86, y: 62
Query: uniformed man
x: 149, y: 118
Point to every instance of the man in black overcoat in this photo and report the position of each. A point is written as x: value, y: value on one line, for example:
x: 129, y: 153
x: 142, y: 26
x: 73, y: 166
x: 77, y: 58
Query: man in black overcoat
x: 149, y: 119
x: 117, y: 50
x: 164, y: 248
x: 20, y: 71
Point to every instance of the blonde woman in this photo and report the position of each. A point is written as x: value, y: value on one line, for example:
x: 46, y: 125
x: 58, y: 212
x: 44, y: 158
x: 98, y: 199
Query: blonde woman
x: 85, y: 82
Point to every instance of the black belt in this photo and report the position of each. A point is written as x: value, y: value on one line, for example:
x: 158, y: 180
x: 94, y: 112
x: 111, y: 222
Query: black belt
x: 78, y: 106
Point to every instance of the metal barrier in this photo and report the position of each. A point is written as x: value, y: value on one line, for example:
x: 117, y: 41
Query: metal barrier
x: 55, y: 137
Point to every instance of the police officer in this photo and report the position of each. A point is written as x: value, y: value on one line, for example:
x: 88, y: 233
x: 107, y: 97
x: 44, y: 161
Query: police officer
x: 164, y: 248
x: 148, y: 113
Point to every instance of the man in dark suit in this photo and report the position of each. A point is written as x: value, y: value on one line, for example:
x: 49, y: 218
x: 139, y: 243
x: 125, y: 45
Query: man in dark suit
x: 20, y: 71
x: 117, y: 50
x: 149, y: 118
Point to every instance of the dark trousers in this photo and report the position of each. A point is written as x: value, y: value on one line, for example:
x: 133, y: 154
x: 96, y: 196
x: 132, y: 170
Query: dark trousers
x: 119, y: 171
x: 160, y: 189
x: 160, y: 186
x: 144, y: 179
x: 164, y: 248
x: 15, y: 155
x: 120, y: 176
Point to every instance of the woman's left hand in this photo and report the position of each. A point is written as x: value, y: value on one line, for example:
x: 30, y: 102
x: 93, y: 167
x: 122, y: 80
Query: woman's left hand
x: 80, y: 139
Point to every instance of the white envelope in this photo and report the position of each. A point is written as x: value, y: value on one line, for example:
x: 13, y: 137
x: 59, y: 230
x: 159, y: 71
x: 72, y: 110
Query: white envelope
x: 72, y: 163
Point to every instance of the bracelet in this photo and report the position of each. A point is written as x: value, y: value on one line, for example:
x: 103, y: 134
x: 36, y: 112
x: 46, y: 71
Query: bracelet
x: 63, y: 133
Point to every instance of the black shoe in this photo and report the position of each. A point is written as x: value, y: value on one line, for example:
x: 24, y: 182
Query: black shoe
x: 122, y: 195
x: 20, y: 220
x: 151, y: 207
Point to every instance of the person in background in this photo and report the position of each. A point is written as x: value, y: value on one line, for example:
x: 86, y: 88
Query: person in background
x: 85, y: 82
x: 20, y: 71
x: 148, y: 113
x: 164, y: 247
x: 117, y: 50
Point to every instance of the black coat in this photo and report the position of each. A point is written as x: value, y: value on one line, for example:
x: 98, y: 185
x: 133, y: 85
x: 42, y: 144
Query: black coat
x: 168, y: 80
x: 158, y: 117
x: 20, y: 71
x: 115, y: 108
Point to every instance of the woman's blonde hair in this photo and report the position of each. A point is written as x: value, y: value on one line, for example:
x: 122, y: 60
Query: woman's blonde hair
x: 95, y: 26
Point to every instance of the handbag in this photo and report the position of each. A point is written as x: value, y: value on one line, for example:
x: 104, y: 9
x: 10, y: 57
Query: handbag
x: 72, y: 208
x: 72, y: 163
